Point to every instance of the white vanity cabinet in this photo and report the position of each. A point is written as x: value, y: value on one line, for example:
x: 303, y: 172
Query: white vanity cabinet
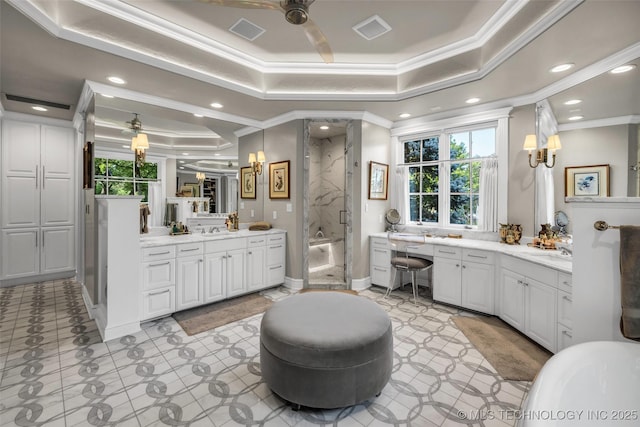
x: 565, y: 301
x: 225, y: 268
x: 528, y: 298
x: 380, y: 261
x: 189, y: 275
x: 464, y: 277
x: 158, y: 271
x: 38, y: 200
x: 276, y: 254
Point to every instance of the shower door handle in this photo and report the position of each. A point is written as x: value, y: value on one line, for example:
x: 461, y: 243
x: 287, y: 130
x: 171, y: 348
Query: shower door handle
x: 343, y: 217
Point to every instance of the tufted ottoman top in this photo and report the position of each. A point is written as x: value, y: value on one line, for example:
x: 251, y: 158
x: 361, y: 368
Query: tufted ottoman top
x: 326, y: 330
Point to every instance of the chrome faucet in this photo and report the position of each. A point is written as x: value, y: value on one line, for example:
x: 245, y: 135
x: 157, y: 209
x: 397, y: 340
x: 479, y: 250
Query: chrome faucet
x: 212, y: 229
x: 566, y: 251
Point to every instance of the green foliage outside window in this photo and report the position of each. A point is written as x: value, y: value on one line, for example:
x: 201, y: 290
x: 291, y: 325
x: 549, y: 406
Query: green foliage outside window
x: 466, y: 150
x: 124, y: 178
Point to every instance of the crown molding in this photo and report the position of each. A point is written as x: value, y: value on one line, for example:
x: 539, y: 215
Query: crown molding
x: 611, y: 121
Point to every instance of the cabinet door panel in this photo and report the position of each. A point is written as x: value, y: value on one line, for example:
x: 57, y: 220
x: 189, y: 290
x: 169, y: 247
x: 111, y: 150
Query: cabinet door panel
x: 20, y: 253
x: 215, y: 277
x: 20, y: 201
x: 512, y: 298
x: 235, y: 273
x: 477, y: 286
x: 541, y: 313
x: 57, y: 152
x: 256, y: 262
x: 189, y: 282
x: 20, y: 148
x: 447, y: 280
x: 57, y: 201
x: 58, y: 250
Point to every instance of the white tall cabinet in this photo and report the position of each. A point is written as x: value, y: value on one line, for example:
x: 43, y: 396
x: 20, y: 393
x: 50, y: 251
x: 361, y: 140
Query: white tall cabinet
x: 38, y: 200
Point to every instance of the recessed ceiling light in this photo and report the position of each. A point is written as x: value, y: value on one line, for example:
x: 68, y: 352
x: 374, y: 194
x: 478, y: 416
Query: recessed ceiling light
x: 324, y: 127
x: 404, y: 115
x: 181, y: 167
x: 623, y: 69
x: 116, y: 80
x: 472, y: 100
x: 216, y: 154
x: 573, y: 102
x: 39, y: 108
x: 106, y: 96
x: 181, y: 161
x: 198, y: 115
x: 126, y: 146
x: 562, y: 67
x: 185, y: 154
x: 216, y: 105
x: 574, y: 118
x: 436, y: 108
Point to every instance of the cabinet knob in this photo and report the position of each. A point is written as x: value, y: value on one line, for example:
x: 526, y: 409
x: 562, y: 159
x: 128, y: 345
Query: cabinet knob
x: 464, y: 266
x: 457, y: 265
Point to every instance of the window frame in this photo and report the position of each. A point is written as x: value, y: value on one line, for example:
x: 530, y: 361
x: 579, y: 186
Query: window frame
x: 498, y: 119
x: 160, y: 162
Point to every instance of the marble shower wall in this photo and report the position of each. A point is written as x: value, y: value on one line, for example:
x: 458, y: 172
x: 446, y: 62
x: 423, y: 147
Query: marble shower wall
x: 326, y: 191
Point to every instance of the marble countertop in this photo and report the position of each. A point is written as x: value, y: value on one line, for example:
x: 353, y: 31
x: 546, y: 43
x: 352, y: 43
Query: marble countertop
x: 151, y: 241
x: 548, y: 258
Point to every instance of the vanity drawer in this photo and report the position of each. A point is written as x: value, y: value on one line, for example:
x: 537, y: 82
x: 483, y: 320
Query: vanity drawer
x: 564, y: 282
x: 447, y: 252
x: 275, y: 254
x: 257, y: 241
x: 475, y: 255
x: 188, y: 249
x: 276, y: 238
x: 381, y: 275
x: 158, y: 303
x: 275, y: 275
x: 158, y: 252
x: 564, y: 308
x: 379, y: 242
x: 158, y: 274
x: 565, y: 337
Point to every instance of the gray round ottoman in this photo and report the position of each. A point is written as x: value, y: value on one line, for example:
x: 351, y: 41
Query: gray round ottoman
x: 326, y: 349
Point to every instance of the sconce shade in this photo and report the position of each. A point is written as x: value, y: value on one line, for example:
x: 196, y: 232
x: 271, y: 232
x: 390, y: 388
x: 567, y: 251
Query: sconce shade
x: 134, y: 143
x: 530, y: 143
x: 252, y: 158
x: 142, y: 141
x: 261, y: 158
x: 553, y: 142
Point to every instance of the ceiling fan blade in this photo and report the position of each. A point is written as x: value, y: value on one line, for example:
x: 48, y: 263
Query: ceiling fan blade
x: 246, y: 4
x: 318, y: 40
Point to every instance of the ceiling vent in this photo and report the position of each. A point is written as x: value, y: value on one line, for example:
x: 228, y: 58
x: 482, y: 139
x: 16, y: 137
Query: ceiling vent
x: 34, y: 101
x: 372, y: 28
x: 246, y: 29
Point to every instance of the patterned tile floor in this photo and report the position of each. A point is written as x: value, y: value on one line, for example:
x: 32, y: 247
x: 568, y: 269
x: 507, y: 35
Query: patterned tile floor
x: 57, y: 372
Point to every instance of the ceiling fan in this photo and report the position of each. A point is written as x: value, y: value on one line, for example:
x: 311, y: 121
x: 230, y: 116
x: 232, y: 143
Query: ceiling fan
x: 296, y: 12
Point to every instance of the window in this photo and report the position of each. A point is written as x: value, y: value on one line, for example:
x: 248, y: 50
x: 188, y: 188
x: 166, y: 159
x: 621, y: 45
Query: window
x: 444, y: 175
x: 124, y: 177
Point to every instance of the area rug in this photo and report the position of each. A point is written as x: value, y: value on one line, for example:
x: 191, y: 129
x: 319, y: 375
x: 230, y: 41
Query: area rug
x: 211, y: 316
x: 346, y: 291
x: 512, y: 355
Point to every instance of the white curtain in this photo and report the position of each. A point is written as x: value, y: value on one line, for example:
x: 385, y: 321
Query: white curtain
x: 401, y: 200
x: 488, y: 201
x: 156, y: 204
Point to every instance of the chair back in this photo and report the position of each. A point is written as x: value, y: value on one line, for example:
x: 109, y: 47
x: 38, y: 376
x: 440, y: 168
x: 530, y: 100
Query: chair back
x: 402, y: 242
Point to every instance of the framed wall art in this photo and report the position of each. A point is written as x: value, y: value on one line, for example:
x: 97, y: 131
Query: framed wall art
x: 378, y: 181
x: 587, y: 181
x: 248, y: 183
x: 279, y: 180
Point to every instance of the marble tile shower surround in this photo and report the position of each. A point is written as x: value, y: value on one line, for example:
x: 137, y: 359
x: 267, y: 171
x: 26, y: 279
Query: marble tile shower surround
x: 55, y: 371
x: 326, y: 190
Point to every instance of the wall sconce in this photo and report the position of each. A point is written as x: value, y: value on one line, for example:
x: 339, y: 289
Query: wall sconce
x: 200, y: 177
x: 256, y: 163
x: 139, y: 143
x: 542, y: 155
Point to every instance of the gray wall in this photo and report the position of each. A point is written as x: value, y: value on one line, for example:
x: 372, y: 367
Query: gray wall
x: 521, y: 176
x: 594, y: 146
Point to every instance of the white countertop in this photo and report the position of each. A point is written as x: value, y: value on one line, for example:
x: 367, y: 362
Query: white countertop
x: 548, y: 258
x: 151, y: 241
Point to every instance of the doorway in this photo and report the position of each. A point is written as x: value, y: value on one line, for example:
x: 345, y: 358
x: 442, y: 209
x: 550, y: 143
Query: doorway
x: 327, y: 245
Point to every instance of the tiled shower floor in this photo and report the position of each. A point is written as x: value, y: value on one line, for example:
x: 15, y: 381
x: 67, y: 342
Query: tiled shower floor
x: 57, y: 372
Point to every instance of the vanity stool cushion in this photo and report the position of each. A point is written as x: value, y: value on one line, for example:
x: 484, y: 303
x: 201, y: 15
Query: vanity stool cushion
x: 410, y: 262
x: 326, y: 349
